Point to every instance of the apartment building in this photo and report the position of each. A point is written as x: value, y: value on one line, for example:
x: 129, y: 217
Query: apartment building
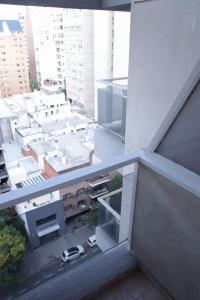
x: 42, y: 215
x: 14, y: 65
x: 43, y: 25
x: 4, y: 179
x: 79, y: 48
x: 22, y: 14
x: 72, y: 41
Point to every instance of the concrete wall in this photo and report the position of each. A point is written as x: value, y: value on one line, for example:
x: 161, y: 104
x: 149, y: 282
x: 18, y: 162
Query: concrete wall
x: 182, y: 141
x: 41, y: 213
x: 164, y: 48
x: 166, y: 234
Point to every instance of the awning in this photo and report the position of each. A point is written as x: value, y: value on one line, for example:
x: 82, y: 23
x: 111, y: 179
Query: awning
x: 48, y: 229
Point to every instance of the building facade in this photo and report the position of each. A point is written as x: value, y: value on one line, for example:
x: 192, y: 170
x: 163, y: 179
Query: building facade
x: 14, y: 66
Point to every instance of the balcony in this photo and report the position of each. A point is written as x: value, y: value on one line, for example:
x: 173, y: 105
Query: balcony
x: 4, y: 188
x: 98, y: 191
x: 134, y: 218
x: 99, y: 180
x: 1, y: 157
x: 108, y: 229
x: 3, y: 174
x: 111, y: 117
x: 112, y: 98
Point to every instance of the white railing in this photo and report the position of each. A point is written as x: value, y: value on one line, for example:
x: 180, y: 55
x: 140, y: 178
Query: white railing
x: 174, y: 172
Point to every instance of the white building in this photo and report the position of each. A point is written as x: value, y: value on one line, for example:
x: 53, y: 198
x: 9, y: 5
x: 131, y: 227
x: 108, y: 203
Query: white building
x: 83, y: 46
x: 43, y: 21
x: 41, y: 215
x: 79, y: 48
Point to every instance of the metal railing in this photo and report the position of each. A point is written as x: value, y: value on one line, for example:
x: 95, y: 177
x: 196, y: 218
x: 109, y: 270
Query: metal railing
x: 176, y: 173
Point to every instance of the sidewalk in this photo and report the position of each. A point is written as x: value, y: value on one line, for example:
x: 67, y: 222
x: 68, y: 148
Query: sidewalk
x: 51, y: 251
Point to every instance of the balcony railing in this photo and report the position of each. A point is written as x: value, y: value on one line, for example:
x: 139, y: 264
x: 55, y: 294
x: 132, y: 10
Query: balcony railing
x: 108, y: 229
x: 112, y: 97
x: 117, y: 214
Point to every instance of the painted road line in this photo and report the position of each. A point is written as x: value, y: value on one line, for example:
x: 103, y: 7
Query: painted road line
x: 36, y: 283
x: 60, y: 269
x: 84, y: 256
x: 48, y: 275
x: 73, y: 262
x: 23, y: 291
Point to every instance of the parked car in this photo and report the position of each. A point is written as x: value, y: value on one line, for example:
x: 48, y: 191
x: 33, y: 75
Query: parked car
x: 72, y: 253
x: 92, y: 241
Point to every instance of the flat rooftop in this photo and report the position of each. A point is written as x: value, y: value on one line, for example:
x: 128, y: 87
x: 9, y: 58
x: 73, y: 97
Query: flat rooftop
x: 11, y: 151
x: 27, y: 131
x: 5, y: 111
x: 29, y: 164
x: 67, y: 152
x: 73, y: 120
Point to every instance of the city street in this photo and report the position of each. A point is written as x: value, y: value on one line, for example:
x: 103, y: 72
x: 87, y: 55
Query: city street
x: 44, y: 263
x: 52, y: 270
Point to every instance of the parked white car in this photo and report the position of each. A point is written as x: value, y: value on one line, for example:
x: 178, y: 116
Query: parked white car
x: 92, y: 241
x: 72, y: 253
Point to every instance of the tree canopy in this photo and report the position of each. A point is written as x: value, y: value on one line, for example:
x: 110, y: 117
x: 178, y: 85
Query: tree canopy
x: 34, y: 85
x: 12, y: 251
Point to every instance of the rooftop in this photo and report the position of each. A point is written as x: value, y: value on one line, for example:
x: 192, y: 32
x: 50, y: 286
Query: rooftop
x: 64, y: 152
x: 28, y: 163
x: 5, y: 111
x: 27, y: 131
x: 12, y: 152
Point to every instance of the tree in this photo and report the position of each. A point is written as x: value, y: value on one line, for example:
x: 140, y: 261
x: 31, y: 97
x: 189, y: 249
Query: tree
x: 116, y: 182
x: 34, y: 85
x: 7, y: 218
x: 92, y: 216
x: 12, y: 251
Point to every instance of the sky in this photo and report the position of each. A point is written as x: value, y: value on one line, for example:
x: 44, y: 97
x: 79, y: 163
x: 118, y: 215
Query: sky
x: 10, y: 11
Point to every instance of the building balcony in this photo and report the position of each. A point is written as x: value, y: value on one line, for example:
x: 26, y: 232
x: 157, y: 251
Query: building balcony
x: 99, y: 180
x: 98, y: 191
x: 111, y: 102
x: 3, y: 174
x: 4, y: 188
x: 108, y: 229
x: 150, y: 221
x: 2, y: 162
x: 111, y: 117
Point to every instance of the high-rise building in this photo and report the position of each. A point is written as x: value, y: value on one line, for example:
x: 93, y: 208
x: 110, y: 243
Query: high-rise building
x: 30, y: 42
x: 79, y: 48
x: 82, y: 46
x: 43, y: 21
x: 14, y: 66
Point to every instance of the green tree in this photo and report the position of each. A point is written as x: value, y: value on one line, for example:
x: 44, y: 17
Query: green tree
x: 34, y: 85
x: 116, y: 182
x: 7, y: 218
x: 12, y: 251
x: 91, y: 217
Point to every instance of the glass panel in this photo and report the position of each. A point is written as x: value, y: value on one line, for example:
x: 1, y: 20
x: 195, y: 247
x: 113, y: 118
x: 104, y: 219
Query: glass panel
x: 112, y: 99
x: 108, y: 223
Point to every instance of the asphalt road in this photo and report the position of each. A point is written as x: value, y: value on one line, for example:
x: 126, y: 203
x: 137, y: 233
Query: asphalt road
x: 54, y: 269
x: 85, y: 278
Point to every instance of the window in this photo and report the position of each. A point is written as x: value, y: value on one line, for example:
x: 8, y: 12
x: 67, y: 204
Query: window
x: 69, y: 206
x: 68, y: 195
x: 80, y: 191
x: 46, y: 220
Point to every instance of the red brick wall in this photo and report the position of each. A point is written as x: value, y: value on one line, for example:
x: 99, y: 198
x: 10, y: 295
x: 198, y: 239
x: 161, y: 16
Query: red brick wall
x: 49, y: 172
x: 30, y: 152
